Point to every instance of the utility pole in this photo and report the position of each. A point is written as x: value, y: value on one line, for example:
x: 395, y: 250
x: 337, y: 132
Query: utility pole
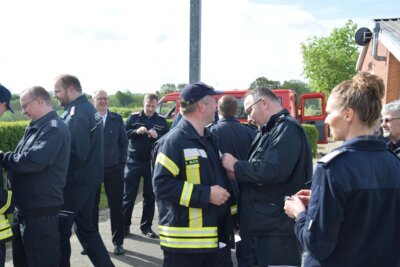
x: 195, y: 41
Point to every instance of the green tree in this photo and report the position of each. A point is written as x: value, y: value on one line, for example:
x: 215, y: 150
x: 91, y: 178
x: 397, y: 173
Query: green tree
x: 181, y: 86
x: 298, y: 86
x: 166, y: 88
x: 332, y: 59
x: 264, y: 82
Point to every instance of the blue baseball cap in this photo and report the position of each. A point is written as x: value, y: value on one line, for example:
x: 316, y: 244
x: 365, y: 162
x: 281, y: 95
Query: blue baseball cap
x: 192, y: 93
x: 5, y: 97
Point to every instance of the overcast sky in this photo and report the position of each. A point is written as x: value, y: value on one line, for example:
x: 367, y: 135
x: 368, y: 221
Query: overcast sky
x: 138, y: 45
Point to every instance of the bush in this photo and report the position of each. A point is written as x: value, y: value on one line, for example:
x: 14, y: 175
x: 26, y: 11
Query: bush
x: 312, y: 134
x: 11, y: 133
x: 124, y: 112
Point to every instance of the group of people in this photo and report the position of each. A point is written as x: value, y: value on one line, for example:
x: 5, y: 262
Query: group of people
x: 56, y: 171
x: 217, y: 187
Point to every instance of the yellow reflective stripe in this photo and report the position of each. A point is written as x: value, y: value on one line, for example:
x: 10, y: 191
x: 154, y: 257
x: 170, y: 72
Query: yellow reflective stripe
x: 189, y: 242
x: 195, y: 217
x: 173, y: 231
x: 192, y: 170
x: 186, y: 194
x: 233, y: 209
x: 4, y: 224
x: 8, y: 203
x: 165, y: 161
x: 6, y: 234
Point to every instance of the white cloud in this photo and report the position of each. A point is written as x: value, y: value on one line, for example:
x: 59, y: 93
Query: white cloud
x: 140, y: 45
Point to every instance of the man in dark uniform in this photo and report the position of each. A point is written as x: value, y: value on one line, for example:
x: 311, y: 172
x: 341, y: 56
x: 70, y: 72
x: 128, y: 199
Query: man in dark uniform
x: 143, y: 129
x: 115, y: 149
x: 279, y: 164
x: 190, y: 185
x: 235, y: 138
x: 390, y: 123
x: 6, y: 206
x: 37, y: 172
x: 85, y: 171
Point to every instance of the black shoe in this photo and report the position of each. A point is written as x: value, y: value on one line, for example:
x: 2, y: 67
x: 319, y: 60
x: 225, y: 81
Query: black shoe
x: 118, y: 250
x: 149, y: 233
x: 83, y: 252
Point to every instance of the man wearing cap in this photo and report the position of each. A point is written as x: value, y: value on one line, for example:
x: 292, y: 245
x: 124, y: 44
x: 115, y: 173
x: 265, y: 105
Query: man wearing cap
x: 5, y: 196
x: 189, y: 183
x: 143, y: 129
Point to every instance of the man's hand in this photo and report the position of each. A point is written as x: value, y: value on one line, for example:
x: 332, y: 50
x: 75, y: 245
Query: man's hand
x: 152, y: 133
x: 141, y: 130
x: 218, y: 195
x: 304, y: 195
x: 228, y: 161
x: 293, y: 206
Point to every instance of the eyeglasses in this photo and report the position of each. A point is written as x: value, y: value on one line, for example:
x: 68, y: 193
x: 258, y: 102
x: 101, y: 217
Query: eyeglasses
x: 250, y: 108
x: 24, y: 106
x: 386, y: 120
x: 101, y: 98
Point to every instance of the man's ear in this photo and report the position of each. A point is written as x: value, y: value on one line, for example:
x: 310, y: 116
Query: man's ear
x: 349, y: 114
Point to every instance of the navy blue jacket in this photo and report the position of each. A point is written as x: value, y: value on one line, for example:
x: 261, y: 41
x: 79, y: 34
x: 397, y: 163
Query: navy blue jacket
x: 185, y: 166
x: 86, y: 160
x: 115, y: 140
x: 395, y: 147
x: 139, y: 147
x: 38, y: 166
x: 353, y: 215
x: 279, y: 164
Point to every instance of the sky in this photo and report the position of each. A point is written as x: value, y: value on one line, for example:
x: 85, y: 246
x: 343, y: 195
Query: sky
x: 139, y: 45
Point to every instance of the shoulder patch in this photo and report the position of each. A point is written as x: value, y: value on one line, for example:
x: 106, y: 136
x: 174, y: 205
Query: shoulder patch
x: 72, y: 112
x: 54, y: 123
x: 329, y: 157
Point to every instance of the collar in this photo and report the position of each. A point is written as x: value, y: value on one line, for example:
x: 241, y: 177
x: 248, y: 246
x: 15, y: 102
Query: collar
x: 273, y: 120
x: 144, y: 115
x: 40, y: 122
x: 81, y: 99
x: 190, y: 132
x: 366, y: 143
x: 393, y: 146
x: 227, y: 119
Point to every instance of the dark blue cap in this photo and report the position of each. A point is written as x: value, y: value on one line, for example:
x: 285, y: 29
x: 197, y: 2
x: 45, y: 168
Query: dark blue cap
x: 5, y: 97
x: 192, y: 93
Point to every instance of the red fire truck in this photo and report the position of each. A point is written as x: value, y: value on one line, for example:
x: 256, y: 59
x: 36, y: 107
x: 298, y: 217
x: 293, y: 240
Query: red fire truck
x: 311, y: 110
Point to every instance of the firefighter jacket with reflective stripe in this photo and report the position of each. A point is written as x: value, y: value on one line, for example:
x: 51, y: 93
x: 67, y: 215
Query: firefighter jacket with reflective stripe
x: 5, y: 207
x: 185, y: 166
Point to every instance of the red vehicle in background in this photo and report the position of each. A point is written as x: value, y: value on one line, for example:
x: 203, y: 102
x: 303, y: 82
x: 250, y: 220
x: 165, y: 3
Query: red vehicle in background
x: 311, y: 110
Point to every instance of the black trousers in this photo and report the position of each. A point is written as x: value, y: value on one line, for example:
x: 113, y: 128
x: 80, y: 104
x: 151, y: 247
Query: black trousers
x: 134, y: 171
x: 36, y: 241
x: 78, y: 209
x: 191, y: 259
x: 278, y: 250
x: 114, y: 188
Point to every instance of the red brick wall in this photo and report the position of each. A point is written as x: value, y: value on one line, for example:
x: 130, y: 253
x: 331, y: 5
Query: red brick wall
x: 388, y: 70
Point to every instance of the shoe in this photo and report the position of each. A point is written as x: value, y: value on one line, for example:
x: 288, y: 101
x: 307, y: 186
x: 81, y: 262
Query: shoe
x: 83, y: 252
x: 118, y: 250
x: 149, y: 233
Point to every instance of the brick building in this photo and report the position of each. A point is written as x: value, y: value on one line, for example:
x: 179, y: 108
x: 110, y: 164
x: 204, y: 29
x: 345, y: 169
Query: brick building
x: 381, y: 55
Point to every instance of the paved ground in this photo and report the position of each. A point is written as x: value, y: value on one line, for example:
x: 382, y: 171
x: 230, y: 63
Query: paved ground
x: 139, y: 250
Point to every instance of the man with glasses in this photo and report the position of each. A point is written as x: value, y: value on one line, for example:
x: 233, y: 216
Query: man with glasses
x: 279, y: 164
x: 390, y: 124
x: 115, y: 149
x: 37, y: 171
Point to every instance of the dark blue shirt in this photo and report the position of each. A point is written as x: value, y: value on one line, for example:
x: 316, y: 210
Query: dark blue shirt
x: 115, y: 140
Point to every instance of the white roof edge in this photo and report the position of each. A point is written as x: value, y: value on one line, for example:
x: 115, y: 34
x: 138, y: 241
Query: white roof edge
x: 393, y: 47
